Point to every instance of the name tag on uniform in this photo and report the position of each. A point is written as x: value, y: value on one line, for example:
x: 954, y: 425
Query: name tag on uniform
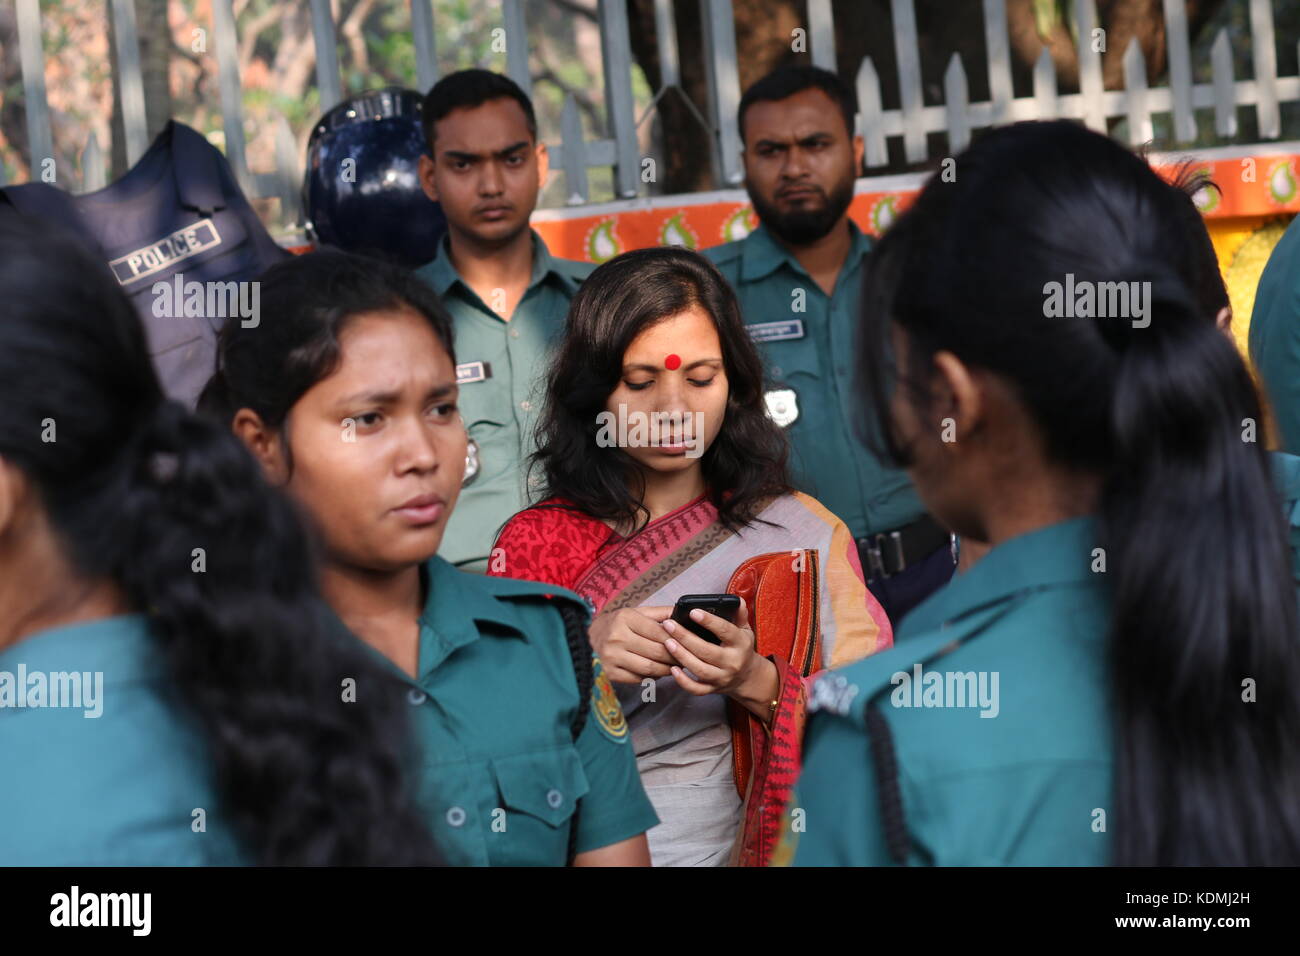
x: 472, y: 372
x: 181, y: 244
x: 776, y: 331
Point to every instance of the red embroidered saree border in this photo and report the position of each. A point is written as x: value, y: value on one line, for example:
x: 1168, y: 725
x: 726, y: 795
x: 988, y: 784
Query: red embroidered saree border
x: 627, y: 572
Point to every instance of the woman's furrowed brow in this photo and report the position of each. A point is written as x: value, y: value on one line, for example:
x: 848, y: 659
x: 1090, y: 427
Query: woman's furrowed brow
x: 392, y: 397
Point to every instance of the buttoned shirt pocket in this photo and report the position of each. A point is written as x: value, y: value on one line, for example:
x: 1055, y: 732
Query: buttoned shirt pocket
x: 791, y: 362
x: 539, y: 792
x: 485, y: 403
x: 489, y: 420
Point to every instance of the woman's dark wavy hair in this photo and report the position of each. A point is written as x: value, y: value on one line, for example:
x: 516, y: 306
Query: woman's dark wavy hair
x: 308, y: 301
x: 746, y: 464
x: 133, y: 484
x: 1193, y: 529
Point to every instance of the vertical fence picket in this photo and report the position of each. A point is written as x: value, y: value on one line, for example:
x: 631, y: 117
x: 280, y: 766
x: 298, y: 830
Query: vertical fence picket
x: 130, y: 80
x: 574, y: 158
x: 1225, y: 100
x: 871, y: 121
x: 666, y: 41
x: 287, y: 173
x: 616, y: 58
x: 1045, y: 104
x: 1264, y: 50
x: 909, y: 80
x: 92, y: 166
x: 232, y: 106
x: 327, y: 55
x: 821, y: 34
x: 31, y: 51
x: 512, y: 12
x: 1180, y: 70
x: 1091, y: 86
x: 723, y: 73
x: 956, y: 105
x: 995, y: 42
x: 1135, y: 85
x: 426, y: 47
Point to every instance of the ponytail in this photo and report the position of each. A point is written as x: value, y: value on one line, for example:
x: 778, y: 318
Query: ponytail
x: 220, y: 564
x: 1203, y: 647
x: 1204, y: 655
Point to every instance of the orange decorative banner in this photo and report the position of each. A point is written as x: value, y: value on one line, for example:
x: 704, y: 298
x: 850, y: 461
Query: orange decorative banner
x: 696, y: 221
x: 1248, y: 185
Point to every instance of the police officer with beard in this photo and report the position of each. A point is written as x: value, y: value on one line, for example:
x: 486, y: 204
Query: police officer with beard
x: 798, y: 277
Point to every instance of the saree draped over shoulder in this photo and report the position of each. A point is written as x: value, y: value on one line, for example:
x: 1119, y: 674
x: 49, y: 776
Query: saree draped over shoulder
x: 683, y: 742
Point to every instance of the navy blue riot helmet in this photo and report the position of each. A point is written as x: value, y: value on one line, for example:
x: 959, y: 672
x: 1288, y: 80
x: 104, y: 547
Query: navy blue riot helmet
x: 362, y: 189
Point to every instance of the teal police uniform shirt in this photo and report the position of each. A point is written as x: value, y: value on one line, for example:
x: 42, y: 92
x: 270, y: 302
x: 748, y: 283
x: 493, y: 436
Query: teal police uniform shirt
x: 1274, y: 336
x: 809, y: 356
x: 500, y: 774
x: 129, y: 787
x: 500, y: 367
x: 1029, y: 784
x: 1286, y: 477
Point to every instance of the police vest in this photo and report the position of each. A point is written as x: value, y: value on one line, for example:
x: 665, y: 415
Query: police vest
x: 181, y: 239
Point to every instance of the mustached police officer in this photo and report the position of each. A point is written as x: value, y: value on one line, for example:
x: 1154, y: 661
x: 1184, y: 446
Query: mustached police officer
x: 799, y: 278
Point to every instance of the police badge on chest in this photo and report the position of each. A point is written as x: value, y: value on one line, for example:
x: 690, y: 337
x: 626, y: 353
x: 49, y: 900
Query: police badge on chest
x: 782, y: 406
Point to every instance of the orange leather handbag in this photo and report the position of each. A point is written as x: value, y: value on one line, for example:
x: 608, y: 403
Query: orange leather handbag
x: 782, y: 594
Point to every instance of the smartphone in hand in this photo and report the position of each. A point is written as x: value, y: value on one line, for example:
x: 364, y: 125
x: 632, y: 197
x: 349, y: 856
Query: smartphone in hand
x: 725, y: 606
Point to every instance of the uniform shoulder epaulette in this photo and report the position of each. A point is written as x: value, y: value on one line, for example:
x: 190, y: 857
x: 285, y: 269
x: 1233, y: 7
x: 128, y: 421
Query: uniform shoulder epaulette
x: 726, y: 253
x: 575, y: 269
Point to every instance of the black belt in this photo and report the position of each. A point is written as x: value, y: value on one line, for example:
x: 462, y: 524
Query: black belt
x: 889, y: 552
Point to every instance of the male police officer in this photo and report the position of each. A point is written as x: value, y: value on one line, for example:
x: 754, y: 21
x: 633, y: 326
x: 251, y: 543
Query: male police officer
x: 506, y: 294
x: 798, y: 277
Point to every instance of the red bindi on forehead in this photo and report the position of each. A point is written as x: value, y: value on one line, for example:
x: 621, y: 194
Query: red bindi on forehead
x: 673, y: 362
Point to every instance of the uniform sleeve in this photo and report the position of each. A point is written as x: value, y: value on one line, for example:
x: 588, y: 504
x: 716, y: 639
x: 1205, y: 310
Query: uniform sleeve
x: 616, y: 807
x: 834, y: 817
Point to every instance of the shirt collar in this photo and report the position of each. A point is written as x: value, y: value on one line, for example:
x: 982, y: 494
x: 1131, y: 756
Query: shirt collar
x: 1052, y: 556
x: 455, y: 604
x: 442, y: 275
x: 764, y: 254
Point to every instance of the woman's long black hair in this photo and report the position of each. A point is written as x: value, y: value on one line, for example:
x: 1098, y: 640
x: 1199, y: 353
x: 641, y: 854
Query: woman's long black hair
x: 1204, y: 606
x: 133, y: 484
x: 746, y: 464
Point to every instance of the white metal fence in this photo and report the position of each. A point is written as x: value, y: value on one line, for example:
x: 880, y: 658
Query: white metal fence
x: 619, y: 150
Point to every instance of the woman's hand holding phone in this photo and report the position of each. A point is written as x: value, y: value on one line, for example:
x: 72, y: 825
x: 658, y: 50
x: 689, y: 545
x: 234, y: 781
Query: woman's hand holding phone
x: 732, y: 667
x: 630, y: 643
